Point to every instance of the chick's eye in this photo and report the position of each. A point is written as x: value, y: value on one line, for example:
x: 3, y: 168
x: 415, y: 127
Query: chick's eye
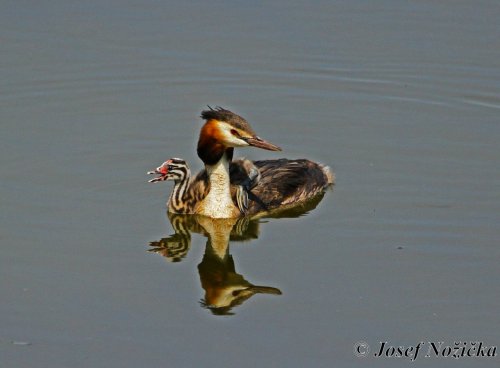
x: 170, y: 167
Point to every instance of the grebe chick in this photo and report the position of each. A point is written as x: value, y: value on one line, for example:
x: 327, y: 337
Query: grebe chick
x: 188, y: 191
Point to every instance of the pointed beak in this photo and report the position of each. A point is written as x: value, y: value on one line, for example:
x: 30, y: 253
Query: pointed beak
x: 260, y: 143
x: 265, y: 290
x: 162, y: 171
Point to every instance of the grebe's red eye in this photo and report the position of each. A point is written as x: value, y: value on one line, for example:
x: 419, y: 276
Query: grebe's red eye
x: 235, y: 132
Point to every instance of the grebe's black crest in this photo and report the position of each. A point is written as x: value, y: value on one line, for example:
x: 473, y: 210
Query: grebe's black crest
x: 227, y: 116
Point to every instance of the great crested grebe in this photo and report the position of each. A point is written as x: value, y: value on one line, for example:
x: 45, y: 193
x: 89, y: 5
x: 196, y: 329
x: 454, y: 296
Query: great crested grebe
x: 279, y: 185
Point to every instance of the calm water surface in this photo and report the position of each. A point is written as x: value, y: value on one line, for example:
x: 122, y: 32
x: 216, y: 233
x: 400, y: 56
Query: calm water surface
x: 400, y: 98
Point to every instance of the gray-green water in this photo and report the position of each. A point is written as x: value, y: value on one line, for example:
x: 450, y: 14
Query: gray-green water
x: 400, y: 98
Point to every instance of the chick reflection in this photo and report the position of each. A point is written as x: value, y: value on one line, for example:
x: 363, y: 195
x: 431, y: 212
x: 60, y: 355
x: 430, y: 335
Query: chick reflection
x: 224, y: 287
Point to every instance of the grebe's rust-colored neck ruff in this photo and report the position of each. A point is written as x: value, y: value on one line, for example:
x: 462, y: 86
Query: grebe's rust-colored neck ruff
x: 210, y: 147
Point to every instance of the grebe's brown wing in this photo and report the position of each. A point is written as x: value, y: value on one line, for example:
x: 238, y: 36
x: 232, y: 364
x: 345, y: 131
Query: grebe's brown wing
x: 286, y: 181
x: 243, y: 175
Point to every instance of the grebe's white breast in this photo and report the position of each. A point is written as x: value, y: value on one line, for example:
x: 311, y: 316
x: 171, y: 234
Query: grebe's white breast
x: 218, y: 202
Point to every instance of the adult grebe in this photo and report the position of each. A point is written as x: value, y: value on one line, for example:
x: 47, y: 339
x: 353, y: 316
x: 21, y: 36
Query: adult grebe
x: 281, y: 184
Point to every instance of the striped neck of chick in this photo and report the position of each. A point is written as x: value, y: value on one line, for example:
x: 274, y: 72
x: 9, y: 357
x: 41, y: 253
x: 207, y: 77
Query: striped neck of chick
x: 176, y: 202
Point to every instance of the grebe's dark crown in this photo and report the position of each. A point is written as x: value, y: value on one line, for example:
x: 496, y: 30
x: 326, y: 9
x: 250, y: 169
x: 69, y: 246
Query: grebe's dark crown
x: 221, y: 114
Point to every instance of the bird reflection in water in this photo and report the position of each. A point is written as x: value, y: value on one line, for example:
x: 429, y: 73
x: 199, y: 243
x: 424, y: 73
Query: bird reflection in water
x: 224, y: 287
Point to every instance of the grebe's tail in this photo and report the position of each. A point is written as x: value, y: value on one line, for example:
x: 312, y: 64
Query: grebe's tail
x: 330, y: 176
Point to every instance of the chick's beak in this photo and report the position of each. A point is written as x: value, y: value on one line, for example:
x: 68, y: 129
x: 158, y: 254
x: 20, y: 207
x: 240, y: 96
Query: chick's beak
x: 260, y: 143
x: 161, y: 170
